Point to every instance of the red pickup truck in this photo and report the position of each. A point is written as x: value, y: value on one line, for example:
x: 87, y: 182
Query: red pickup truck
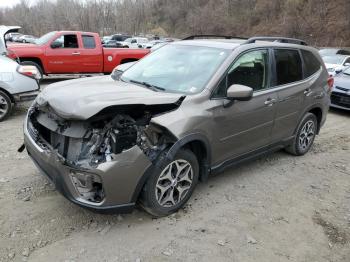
x: 72, y: 52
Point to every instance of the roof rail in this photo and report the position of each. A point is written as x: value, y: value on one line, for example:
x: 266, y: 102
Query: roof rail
x: 192, y: 37
x: 276, y: 39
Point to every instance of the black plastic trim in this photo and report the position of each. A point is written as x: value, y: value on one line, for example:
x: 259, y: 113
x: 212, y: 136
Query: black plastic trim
x: 250, y: 156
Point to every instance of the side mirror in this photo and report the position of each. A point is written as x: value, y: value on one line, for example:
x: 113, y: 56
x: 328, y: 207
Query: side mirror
x: 56, y: 44
x: 239, y: 92
x: 347, y: 64
x: 338, y: 70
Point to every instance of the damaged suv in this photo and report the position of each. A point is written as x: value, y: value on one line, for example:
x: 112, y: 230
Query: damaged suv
x: 192, y: 108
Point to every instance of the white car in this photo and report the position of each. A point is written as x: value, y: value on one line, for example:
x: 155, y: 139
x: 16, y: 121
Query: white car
x: 18, y: 83
x: 336, y: 63
x: 135, y: 42
x: 26, y: 39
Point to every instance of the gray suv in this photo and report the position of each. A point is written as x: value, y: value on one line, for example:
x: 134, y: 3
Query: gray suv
x: 190, y: 109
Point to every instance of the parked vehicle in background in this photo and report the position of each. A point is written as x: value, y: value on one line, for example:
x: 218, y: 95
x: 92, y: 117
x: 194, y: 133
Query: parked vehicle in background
x: 105, y: 39
x: 16, y: 37
x: 340, y: 97
x: 334, y: 51
x: 18, y: 83
x: 134, y: 42
x: 336, y: 63
x: 9, y: 37
x: 190, y: 109
x: 72, y: 52
x: 152, y: 43
x: 26, y: 39
x: 113, y: 44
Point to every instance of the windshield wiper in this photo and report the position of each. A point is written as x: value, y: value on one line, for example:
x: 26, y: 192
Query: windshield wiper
x: 148, y: 85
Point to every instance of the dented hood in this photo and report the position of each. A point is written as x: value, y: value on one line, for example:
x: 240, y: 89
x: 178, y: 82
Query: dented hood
x: 83, y: 98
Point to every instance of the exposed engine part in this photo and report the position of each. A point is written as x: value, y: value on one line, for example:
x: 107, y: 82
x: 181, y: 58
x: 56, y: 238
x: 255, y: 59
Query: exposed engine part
x: 92, y: 143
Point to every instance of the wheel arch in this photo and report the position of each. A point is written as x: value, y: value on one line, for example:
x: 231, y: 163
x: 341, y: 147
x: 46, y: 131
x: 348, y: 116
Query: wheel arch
x: 197, y: 143
x: 200, y: 146
x: 317, y: 111
x: 35, y: 60
x: 8, y: 94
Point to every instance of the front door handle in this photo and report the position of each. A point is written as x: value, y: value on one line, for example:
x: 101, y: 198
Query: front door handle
x: 76, y: 53
x: 270, y: 102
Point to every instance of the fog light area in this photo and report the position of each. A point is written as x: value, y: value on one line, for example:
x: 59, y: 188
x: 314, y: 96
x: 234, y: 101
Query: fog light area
x: 88, y: 186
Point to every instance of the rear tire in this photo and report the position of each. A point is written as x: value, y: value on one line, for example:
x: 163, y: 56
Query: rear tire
x: 305, y: 136
x: 5, y: 106
x: 170, y: 184
x: 36, y: 65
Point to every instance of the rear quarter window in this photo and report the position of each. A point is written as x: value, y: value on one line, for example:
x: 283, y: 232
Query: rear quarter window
x: 311, y: 63
x: 288, y: 66
x: 89, y: 42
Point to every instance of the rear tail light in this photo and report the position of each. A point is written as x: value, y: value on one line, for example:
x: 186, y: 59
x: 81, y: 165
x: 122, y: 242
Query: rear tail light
x: 28, y: 70
x: 330, y: 82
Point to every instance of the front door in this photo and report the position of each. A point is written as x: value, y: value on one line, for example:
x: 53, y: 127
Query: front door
x: 64, y: 57
x: 244, y: 126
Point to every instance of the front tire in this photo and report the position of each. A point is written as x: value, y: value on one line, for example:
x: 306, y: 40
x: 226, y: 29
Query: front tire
x: 171, y: 184
x: 5, y: 106
x: 305, y: 136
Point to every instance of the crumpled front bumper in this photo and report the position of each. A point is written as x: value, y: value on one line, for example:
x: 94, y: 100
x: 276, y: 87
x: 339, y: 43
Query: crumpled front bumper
x: 121, y: 178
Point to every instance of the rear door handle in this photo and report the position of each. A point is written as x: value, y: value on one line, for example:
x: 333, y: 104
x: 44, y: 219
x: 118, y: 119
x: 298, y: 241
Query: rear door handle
x: 308, y: 92
x: 76, y: 53
x: 270, y: 102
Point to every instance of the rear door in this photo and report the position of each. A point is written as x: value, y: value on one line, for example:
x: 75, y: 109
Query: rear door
x: 91, y: 54
x: 291, y: 91
x: 245, y: 126
x: 65, y: 56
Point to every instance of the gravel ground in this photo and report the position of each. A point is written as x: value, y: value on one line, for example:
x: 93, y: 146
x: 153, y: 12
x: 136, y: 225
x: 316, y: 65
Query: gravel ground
x: 277, y: 208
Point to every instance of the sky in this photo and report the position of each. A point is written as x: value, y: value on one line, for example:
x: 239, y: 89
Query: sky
x: 8, y: 3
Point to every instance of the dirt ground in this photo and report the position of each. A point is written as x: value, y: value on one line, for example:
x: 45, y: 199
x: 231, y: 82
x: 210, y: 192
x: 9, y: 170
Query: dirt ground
x: 277, y: 208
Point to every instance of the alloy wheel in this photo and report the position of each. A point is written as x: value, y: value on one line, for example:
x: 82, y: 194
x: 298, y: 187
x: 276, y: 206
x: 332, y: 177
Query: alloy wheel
x: 174, y: 183
x: 307, y: 135
x: 4, y: 106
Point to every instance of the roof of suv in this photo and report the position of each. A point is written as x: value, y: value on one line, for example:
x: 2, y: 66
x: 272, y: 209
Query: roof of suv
x: 231, y: 44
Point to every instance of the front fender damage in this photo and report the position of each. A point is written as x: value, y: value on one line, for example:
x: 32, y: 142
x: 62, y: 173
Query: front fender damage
x: 100, y: 139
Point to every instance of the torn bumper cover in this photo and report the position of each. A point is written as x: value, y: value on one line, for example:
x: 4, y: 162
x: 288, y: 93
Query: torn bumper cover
x: 108, y: 182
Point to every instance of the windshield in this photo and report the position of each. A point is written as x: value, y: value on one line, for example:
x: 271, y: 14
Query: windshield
x: 128, y: 40
x: 177, y: 68
x: 333, y: 59
x: 45, y: 38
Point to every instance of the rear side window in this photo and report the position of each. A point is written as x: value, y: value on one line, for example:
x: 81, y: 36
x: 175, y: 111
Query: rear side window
x: 288, y: 66
x: 89, y: 42
x: 311, y: 63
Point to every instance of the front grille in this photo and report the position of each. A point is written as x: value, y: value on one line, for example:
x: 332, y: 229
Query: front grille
x: 340, y: 99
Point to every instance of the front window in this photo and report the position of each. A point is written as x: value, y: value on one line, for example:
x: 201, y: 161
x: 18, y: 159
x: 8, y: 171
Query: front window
x: 251, y: 69
x: 177, y: 68
x: 45, y: 38
x: 337, y: 60
x: 67, y: 41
